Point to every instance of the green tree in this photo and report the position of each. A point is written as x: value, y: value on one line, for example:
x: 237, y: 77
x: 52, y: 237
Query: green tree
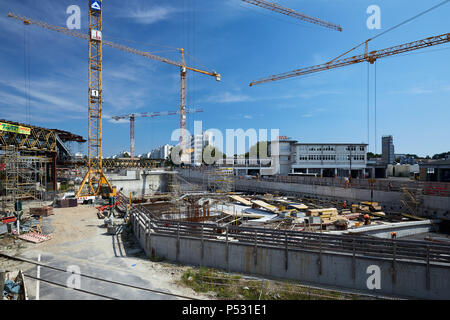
x: 442, y: 155
x: 373, y: 155
x: 260, y: 149
x: 211, y: 154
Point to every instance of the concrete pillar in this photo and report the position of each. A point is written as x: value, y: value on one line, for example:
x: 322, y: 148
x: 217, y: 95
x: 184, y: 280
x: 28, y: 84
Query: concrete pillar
x: 2, y: 282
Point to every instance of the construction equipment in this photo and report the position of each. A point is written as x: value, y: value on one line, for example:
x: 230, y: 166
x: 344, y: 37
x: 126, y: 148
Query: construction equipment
x: 182, y: 65
x: 95, y: 176
x: 289, y: 12
x: 148, y: 115
x: 370, y: 57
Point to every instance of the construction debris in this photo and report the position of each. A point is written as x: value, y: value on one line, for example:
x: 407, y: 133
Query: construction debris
x: 35, y: 237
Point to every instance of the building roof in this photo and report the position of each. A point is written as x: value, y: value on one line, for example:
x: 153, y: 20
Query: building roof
x: 333, y: 144
x: 432, y: 164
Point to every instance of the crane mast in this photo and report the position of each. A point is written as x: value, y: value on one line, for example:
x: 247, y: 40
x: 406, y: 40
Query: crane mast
x: 370, y: 57
x: 133, y: 117
x: 95, y: 176
x: 183, y: 139
x: 181, y: 65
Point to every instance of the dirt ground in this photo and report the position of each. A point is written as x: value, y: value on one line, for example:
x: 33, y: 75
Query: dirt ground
x: 78, y: 236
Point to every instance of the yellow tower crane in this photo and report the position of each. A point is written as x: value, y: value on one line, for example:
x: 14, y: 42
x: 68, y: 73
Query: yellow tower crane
x: 370, y: 57
x: 289, y: 12
x: 97, y: 44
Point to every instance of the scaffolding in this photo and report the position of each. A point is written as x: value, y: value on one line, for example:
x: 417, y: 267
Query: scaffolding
x: 220, y: 180
x: 9, y: 177
x: 173, y: 184
x: 22, y: 177
x: 411, y: 199
x: 224, y: 180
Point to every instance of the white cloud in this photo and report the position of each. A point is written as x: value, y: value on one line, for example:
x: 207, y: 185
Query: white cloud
x: 228, y: 97
x: 152, y: 15
x: 43, y: 95
x: 247, y: 116
x: 413, y: 91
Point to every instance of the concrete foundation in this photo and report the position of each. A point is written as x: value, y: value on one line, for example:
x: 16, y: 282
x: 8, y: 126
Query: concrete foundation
x: 140, y: 182
x: 403, y: 229
x: 433, y: 206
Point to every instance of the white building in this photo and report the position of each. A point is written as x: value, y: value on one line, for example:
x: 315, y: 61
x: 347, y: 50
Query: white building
x: 288, y: 157
x: 198, y: 143
x: 161, y: 152
x: 328, y: 159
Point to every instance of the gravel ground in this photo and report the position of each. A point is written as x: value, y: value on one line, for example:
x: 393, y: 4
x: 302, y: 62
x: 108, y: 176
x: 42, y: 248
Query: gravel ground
x: 78, y: 237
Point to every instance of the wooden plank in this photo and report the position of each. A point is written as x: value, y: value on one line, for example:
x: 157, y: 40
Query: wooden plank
x: 322, y: 212
x: 241, y: 200
x: 299, y: 206
x: 378, y: 214
x: 265, y: 205
x: 410, y: 216
x: 242, y: 214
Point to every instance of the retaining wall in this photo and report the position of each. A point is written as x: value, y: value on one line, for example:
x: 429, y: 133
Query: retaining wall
x: 402, y: 278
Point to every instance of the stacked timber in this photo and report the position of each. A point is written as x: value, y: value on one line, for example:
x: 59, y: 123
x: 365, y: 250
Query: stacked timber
x: 372, y: 208
x: 327, y: 215
x: 42, y: 212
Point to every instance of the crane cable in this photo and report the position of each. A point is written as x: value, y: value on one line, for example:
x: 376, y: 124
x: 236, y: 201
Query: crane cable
x: 392, y: 28
x: 375, y: 97
x: 375, y: 67
x: 26, y: 63
x: 368, y: 104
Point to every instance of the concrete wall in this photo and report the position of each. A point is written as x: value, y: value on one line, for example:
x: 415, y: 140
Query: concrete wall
x: 433, y: 206
x: 139, y: 182
x: 403, y: 229
x: 397, y: 278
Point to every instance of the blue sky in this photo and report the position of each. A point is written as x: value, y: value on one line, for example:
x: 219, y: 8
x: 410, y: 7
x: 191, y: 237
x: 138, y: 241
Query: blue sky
x: 243, y: 43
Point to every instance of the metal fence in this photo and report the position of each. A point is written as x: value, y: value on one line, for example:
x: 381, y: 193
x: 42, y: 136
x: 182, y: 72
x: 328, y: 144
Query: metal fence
x: 293, y: 240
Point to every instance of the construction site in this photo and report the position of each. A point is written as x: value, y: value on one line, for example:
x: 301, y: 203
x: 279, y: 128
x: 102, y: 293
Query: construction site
x: 154, y: 226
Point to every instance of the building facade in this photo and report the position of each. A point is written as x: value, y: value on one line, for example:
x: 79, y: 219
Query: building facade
x: 198, y: 143
x: 438, y: 171
x: 329, y: 160
x: 288, y: 157
x: 161, y: 152
x: 388, y: 155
